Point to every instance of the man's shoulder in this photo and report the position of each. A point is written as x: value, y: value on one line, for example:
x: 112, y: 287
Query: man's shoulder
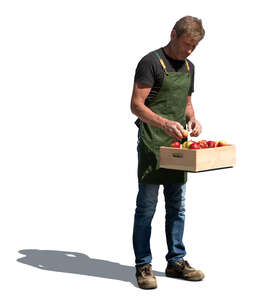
x: 150, y: 57
x: 148, y: 69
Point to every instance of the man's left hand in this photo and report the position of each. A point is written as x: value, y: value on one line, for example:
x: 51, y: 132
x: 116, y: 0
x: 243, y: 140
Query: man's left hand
x: 195, y: 126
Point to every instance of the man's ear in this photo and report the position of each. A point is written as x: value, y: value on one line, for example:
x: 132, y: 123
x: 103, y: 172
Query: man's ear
x: 173, y: 34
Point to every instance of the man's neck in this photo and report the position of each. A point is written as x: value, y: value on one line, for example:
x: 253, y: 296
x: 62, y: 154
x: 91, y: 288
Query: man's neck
x: 169, y: 51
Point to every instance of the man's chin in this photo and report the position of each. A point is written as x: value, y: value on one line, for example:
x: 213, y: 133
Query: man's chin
x: 182, y: 57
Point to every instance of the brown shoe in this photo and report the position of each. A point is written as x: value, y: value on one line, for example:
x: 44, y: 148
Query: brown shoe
x: 145, y: 277
x: 182, y: 269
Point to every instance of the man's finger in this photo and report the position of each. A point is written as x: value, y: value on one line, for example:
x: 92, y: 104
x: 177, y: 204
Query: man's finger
x: 195, y: 132
x: 180, y: 129
x: 179, y: 134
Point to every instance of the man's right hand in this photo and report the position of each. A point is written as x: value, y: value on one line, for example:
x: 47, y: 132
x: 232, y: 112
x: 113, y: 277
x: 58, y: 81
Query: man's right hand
x: 174, y: 129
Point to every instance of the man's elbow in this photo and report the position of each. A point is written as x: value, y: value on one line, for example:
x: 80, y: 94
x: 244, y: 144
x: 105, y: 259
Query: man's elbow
x: 134, y: 108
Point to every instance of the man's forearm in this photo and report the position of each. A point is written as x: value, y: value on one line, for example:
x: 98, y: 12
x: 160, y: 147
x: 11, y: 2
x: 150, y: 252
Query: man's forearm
x: 189, y: 113
x: 148, y: 116
x: 170, y: 127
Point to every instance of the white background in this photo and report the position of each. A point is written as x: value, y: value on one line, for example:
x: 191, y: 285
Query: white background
x: 68, y: 148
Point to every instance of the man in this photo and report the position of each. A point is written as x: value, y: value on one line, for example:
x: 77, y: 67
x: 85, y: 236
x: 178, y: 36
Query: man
x: 164, y: 82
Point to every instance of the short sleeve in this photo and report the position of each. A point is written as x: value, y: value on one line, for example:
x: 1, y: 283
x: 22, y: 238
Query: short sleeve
x: 145, y: 71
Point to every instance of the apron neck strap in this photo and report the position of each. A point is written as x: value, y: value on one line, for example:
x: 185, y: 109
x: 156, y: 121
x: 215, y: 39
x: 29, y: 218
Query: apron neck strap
x: 164, y: 66
x: 161, y: 62
x: 187, y: 65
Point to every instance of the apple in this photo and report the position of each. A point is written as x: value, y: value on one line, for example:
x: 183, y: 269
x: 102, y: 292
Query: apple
x: 203, y: 144
x: 187, y: 144
x: 175, y: 145
x: 186, y: 133
x: 194, y: 146
x: 221, y: 144
x: 211, y: 144
x: 184, y: 145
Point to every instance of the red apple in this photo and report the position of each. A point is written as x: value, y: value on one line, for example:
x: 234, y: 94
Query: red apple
x: 195, y: 146
x: 221, y: 144
x: 203, y: 144
x: 211, y: 144
x: 175, y: 145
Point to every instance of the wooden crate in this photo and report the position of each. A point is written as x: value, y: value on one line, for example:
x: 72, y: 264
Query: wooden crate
x: 197, y: 160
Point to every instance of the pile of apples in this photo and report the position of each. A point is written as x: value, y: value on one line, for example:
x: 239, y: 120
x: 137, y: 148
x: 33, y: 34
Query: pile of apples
x: 198, y: 145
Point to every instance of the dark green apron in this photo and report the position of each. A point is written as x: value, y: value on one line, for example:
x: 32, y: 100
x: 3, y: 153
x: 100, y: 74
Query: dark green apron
x: 170, y: 103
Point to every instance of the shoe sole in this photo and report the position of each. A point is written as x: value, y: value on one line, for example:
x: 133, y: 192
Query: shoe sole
x: 148, y: 287
x: 189, y: 279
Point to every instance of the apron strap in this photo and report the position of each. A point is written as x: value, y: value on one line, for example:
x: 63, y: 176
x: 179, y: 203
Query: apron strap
x: 164, y: 66
x: 161, y: 62
x: 187, y: 65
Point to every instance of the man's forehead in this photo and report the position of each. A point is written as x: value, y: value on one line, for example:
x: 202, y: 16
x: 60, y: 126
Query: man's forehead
x: 189, y: 39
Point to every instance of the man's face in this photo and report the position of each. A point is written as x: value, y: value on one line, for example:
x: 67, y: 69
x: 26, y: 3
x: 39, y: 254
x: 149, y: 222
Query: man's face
x: 183, y: 46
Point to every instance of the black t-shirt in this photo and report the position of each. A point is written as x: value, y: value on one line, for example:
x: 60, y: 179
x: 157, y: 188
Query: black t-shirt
x: 150, y: 71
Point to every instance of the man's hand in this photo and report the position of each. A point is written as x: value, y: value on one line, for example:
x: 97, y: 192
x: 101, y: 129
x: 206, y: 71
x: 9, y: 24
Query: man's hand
x: 174, y: 129
x: 195, y: 126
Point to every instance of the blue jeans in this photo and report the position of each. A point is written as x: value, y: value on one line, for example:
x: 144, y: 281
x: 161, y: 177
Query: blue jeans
x: 146, y: 203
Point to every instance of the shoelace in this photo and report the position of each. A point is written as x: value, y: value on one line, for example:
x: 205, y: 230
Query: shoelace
x: 184, y: 264
x: 146, y: 270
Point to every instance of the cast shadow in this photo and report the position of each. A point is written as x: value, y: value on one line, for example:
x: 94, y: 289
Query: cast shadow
x: 79, y: 263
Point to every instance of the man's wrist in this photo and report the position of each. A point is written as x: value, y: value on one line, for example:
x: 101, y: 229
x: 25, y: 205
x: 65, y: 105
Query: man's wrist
x: 163, y: 123
x: 190, y: 119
